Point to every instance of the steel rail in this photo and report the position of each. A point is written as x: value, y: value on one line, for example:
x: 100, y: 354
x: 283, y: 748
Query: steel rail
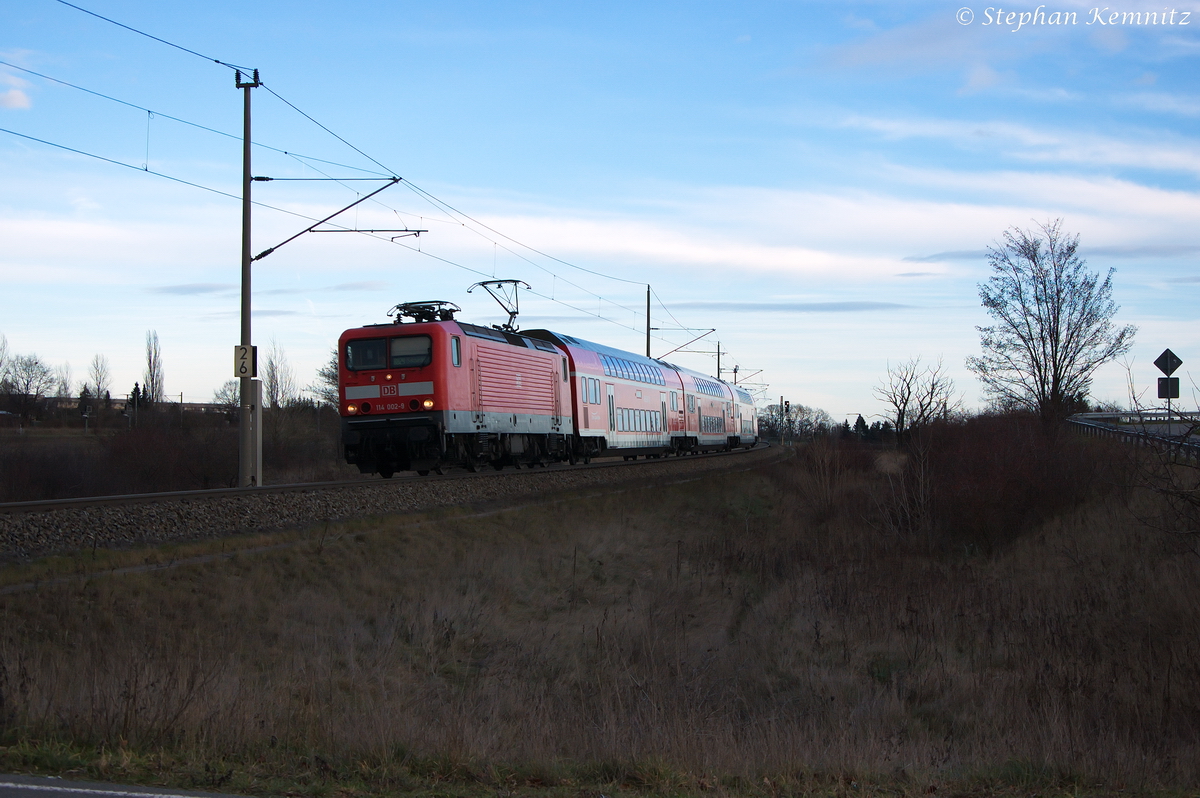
x: 305, y: 487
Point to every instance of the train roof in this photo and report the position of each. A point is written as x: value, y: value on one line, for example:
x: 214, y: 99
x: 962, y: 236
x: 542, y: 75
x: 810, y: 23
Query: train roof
x: 702, y: 380
x: 569, y: 340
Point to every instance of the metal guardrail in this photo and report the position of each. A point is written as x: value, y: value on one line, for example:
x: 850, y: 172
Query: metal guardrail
x: 1136, y: 428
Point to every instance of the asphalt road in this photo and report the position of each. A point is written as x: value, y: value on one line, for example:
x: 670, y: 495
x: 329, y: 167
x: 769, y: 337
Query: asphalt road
x: 38, y: 787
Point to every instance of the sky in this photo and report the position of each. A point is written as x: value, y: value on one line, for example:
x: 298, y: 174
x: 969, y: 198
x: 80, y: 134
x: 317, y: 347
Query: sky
x: 817, y: 181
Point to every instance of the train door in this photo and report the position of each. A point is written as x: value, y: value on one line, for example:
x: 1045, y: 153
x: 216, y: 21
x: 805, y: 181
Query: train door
x: 584, y: 399
x: 612, y: 407
x: 662, y: 425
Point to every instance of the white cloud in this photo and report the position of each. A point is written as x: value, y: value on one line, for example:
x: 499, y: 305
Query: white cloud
x: 979, y: 78
x: 1023, y: 142
x: 1164, y: 103
x: 15, y: 99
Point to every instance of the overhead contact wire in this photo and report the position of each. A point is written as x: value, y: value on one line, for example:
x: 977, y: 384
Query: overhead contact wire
x: 391, y: 172
x: 299, y: 156
x: 155, y: 38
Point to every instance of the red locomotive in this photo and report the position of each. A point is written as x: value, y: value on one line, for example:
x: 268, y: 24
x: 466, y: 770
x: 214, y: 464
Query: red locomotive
x: 431, y: 393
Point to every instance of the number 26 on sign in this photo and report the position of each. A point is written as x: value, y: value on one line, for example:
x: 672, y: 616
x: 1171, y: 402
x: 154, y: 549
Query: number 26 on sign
x: 245, y: 361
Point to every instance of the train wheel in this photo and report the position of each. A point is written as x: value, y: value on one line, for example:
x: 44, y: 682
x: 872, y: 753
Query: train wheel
x: 386, y: 473
x: 472, y: 466
x: 496, y: 464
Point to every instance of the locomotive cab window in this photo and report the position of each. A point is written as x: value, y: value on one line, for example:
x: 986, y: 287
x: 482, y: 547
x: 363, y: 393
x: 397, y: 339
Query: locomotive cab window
x: 455, y: 350
x: 366, y: 354
x: 411, y: 351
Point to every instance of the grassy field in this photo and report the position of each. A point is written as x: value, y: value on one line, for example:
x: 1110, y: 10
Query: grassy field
x: 851, y: 621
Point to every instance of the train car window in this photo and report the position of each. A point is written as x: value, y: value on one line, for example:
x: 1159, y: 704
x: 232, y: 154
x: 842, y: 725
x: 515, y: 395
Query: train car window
x: 595, y: 391
x: 691, y: 403
x: 455, y: 350
x: 674, y: 401
x: 411, y: 351
x: 365, y: 354
x: 585, y: 395
x: 565, y: 377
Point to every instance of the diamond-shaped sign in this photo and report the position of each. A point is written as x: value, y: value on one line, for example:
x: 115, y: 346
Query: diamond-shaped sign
x: 1167, y: 362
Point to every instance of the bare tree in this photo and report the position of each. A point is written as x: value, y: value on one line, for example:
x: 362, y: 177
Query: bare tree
x: 28, y: 380
x: 228, y: 398
x: 99, y: 378
x: 1054, y: 323
x: 807, y: 422
x: 279, y: 384
x: 3, y: 355
x: 152, y: 379
x: 325, y: 389
x: 64, y: 385
x: 917, y: 396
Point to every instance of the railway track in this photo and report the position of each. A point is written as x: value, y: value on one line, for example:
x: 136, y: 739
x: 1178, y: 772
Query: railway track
x: 31, y: 529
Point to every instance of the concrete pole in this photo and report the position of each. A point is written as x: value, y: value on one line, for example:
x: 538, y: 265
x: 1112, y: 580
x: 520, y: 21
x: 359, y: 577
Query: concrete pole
x: 247, y: 470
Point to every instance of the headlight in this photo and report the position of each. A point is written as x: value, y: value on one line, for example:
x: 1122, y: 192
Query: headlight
x: 427, y: 404
x: 351, y: 409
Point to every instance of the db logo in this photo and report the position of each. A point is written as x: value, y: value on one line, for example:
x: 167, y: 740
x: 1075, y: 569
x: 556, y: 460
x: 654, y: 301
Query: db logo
x: 388, y: 390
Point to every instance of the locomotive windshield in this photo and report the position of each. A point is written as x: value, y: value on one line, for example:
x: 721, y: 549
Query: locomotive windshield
x: 366, y: 354
x: 412, y: 351
x: 407, y: 352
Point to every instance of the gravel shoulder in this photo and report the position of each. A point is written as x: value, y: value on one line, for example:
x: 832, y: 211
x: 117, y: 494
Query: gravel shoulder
x: 28, y: 535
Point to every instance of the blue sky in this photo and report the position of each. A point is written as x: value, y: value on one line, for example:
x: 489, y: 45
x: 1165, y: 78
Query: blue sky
x: 818, y: 181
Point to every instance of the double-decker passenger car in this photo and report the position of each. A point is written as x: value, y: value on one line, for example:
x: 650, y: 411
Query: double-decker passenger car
x: 435, y: 393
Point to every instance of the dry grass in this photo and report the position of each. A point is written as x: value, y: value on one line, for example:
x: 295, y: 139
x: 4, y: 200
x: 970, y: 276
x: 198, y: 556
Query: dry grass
x: 160, y: 455
x: 766, y: 632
